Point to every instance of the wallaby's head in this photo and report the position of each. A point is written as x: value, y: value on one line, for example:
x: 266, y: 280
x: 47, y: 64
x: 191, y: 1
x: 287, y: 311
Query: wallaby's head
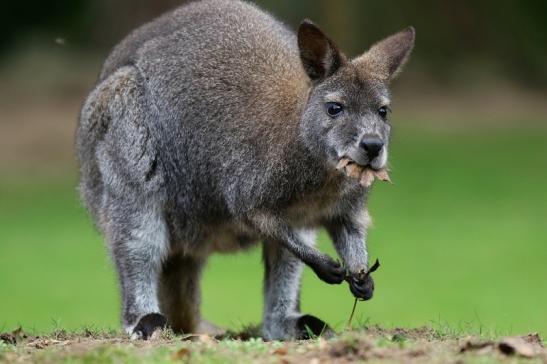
x: 346, y: 114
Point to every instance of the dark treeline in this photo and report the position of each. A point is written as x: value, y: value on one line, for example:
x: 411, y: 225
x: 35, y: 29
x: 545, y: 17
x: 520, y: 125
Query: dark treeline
x: 508, y: 35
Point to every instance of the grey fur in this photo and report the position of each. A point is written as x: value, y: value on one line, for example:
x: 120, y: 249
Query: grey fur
x: 207, y: 132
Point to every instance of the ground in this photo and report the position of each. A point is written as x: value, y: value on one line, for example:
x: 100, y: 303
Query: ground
x: 371, y: 344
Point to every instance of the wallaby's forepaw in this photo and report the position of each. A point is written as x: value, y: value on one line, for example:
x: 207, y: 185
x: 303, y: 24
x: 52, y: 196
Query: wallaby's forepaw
x: 310, y: 327
x: 148, y: 324
x: 361, y: 287
x: 329, y: 270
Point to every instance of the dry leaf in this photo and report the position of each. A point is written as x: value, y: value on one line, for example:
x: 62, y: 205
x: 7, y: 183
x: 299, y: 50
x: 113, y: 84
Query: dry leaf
x: 526, y: 346
x: 181, y: 354
x: 374, y: 268
x: 382, y: 175
x: 280, y: 351
x: 517, y: 345
x: 343, y: 162
x: 367, y: 177
x: 353, y: 170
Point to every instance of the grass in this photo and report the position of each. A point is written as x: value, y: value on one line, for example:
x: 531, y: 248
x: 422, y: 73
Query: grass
x: 461, y: 235
x: 375, y: 344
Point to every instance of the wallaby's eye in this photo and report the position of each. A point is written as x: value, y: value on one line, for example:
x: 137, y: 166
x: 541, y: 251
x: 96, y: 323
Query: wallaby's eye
x: 383, y: 112
x: 334, y: 109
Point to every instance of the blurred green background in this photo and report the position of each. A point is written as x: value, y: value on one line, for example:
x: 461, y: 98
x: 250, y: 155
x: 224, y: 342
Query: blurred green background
x: 461, y: 235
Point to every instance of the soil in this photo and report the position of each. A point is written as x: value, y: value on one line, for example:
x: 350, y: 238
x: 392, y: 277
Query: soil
x: 376, y: 344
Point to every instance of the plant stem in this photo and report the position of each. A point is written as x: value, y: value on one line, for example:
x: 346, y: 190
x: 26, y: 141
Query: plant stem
x: 352, y: 313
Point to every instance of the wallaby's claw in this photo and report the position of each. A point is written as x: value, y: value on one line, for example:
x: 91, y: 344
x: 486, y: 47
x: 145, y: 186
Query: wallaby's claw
x: 361, y: 287
x: 330, y: 271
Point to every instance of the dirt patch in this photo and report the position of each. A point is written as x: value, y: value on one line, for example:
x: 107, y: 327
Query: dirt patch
x: 376, y: 344
x: 400, y: 333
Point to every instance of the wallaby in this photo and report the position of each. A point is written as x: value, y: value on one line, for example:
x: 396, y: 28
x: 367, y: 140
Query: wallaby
x: 215, y: 127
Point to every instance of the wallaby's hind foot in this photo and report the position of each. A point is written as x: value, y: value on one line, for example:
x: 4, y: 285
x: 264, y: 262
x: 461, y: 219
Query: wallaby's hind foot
x: 301, y: 327
x: 310, y: 327
x: 151, y: 324
x: 148, y: 325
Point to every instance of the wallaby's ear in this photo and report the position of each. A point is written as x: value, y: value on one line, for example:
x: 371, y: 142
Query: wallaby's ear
x: 386, y: 58
x: 320, y: 57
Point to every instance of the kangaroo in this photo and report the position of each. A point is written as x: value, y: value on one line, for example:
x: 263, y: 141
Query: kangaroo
x: 215, y: 127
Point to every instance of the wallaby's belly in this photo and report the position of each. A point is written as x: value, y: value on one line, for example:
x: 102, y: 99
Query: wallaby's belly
x: 204, y: 238
x: 232, y: 237
x: 231, y: 234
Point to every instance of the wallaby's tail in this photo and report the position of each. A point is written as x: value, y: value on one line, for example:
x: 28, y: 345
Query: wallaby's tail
x: 96, y: 116
x: 93, y: 125
x: 114, y: 142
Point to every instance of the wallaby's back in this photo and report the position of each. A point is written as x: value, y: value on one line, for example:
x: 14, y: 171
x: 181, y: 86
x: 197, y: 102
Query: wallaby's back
x: 234, y: 41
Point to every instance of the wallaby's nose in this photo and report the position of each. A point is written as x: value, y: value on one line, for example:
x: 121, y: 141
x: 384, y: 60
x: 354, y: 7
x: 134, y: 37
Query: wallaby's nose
x: 372, y: 145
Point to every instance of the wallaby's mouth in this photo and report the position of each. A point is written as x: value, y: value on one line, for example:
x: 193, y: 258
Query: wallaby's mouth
x: 364, y: 174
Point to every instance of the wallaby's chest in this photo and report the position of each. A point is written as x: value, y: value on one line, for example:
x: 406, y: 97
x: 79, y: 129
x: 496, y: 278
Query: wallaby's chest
x: 315, y: 206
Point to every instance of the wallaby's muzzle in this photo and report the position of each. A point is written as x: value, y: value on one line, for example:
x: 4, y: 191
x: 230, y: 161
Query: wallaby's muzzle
x: 370, y: 152
x: 372, y: 145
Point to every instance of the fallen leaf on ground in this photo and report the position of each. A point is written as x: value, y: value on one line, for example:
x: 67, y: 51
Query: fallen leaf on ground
x: 280, y: 351
x: 181, y: 354
x: 517, y: 345
x: 528, y: 346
